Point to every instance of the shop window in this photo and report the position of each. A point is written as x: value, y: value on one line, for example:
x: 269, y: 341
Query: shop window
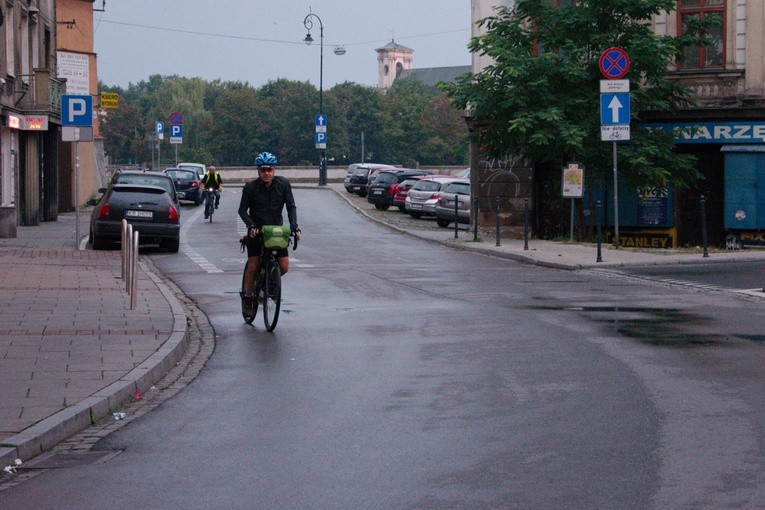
x: 711, y: 54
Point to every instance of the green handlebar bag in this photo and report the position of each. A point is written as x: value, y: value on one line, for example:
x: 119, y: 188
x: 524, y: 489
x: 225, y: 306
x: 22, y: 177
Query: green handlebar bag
x: 275, y: 236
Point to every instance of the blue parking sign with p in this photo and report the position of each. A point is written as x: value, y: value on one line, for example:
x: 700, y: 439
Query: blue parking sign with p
x: 176, y: 130
x: 76, y: 110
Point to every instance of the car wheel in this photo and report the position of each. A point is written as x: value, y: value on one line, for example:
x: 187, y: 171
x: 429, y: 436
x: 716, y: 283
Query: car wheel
x: 381, y: 207
x: 415, y: 215
x: 362, y: 194
x: 442, y: 222
x: 402, y: 208
x: 349, y: 190
x: 173, y: 245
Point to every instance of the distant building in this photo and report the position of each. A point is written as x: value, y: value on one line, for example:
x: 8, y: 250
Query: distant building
x: 392, y: 60
x: 433, y: 75
x: 395, y: 61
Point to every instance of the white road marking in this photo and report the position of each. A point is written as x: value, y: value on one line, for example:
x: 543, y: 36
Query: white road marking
x: 187, y: 250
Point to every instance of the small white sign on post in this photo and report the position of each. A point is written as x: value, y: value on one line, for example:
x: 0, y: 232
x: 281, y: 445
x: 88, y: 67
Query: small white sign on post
x: 615, y: 133
x: 573, y: 181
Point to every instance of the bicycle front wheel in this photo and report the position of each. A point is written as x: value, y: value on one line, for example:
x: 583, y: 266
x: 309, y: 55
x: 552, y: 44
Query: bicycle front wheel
x: 272, y: 294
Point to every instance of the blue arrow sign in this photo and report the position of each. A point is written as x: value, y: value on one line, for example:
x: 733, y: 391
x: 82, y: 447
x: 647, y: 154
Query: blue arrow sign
x: 614, y: 109
x: 321, y: 120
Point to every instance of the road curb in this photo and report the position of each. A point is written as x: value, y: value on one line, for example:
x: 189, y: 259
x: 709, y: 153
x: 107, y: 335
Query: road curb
x: 46, y: 433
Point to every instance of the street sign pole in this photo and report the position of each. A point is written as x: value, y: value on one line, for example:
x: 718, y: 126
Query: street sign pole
x: 77, y: 193
x: 616, y: 201
x: 614, y: 64
x: 77, y: 124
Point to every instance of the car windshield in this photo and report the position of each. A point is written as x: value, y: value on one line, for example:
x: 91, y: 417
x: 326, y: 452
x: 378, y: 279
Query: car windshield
x: 460, y: 188
x: 427, y: 186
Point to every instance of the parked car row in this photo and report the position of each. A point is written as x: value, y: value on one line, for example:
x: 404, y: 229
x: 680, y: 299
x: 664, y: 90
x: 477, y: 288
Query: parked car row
x: 359, y: 175
x: 149, y: 201
x: 420, y: 193
x: 382, y: 189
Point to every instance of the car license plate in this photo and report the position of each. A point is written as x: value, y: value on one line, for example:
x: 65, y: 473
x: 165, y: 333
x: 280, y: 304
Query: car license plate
x: 139, y: 214
x: 377, y: 192
x: 415, y: 206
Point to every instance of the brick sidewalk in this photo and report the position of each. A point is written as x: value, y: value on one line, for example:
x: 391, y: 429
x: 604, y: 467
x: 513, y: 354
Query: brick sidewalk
x: 71, y: 349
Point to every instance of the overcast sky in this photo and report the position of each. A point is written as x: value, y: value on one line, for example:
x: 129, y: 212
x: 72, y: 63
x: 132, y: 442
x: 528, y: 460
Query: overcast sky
x: 257, y: 41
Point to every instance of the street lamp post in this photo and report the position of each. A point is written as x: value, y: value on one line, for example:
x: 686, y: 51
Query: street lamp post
x: 308, y: 24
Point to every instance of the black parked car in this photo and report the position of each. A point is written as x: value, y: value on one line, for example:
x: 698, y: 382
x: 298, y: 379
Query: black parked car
x: 383, y: 187
x: 359, y: 177
x: 150, y: 206
x: 187, y: 184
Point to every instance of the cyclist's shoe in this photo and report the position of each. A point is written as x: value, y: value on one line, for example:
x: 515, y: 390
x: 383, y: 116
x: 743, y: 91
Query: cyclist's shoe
x: 207, y: 216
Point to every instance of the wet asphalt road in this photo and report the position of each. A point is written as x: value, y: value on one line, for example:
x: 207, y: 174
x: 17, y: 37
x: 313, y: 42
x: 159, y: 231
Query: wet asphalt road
x: 404, y: 374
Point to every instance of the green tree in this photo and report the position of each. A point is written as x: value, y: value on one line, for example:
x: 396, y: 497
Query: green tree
x: 540, y: 97
x: 354, y: 109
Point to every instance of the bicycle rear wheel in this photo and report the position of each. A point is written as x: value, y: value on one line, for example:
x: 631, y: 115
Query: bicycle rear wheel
x: 248, y: 314
x: 272, y: 294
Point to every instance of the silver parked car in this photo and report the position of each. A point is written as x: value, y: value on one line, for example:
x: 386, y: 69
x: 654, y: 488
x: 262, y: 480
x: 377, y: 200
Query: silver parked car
x: 458, y: 191
x: 424, y: 194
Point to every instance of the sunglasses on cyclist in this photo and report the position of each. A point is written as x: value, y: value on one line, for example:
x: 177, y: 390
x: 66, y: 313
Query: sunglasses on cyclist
x: 265, y: 169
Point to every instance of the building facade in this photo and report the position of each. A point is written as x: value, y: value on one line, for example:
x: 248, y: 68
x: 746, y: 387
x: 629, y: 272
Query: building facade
x: 77, y: 62
x: 46, y: 52
x: 726, y: 130
x: 30, y: 109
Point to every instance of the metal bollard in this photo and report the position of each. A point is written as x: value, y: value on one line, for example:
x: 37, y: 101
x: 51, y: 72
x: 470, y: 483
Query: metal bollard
x: 123, y: 249
x: 456, y: 215
x: 703, y: 202
x: 526, y: 224
x: 598, y: 208
x: 134, y: 269
x: 497, y: 216
x: 128, y: 257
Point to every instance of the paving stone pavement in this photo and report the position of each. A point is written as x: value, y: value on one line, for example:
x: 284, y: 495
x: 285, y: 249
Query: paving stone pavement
x: 71, y: 348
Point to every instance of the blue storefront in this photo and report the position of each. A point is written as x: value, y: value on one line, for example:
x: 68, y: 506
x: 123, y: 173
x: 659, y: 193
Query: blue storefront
x: 735, y: 193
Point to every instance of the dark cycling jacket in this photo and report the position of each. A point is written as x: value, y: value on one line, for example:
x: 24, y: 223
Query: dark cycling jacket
x: 261, y: 205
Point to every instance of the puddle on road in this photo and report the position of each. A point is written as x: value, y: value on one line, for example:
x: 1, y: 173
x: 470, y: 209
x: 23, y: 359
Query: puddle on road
x: 653, y: 326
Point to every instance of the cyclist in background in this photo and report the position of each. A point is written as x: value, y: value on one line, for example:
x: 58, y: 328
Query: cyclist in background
x: 263, y: 200
x: 213, y: 181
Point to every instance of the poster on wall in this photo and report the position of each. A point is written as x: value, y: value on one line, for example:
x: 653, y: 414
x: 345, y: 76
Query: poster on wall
x: 75, y: 68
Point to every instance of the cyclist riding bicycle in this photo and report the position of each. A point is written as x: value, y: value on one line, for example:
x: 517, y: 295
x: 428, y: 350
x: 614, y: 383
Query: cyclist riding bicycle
x: 263, y: 200
x: 213, y: 181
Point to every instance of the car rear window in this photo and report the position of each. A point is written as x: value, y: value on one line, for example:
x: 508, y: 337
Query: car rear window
x: 187, y: 175
x: 150, y: 180
x: 427, y: 186
x: 361, y: 171
x: 386, y: 178
x: 409, y: 182
x: 461, y: 188
x: 127, y: 188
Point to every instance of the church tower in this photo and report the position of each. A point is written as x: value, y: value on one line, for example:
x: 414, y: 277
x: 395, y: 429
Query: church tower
x: 392, y: 60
